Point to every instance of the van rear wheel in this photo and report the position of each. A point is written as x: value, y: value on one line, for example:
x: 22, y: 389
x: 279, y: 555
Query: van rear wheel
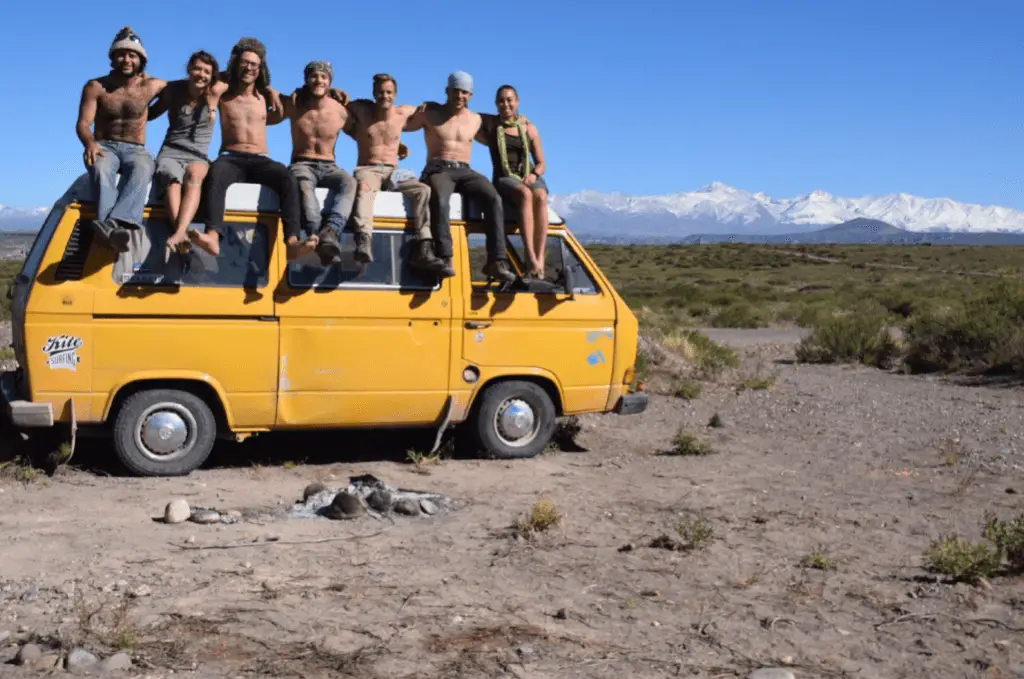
x: 164, y: 432
x: 514, y: 420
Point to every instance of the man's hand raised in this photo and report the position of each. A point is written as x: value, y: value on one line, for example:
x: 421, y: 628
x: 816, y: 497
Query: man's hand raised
x: 339, y: 96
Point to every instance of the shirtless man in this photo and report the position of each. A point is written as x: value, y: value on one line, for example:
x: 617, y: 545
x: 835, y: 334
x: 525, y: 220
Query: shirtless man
x: 181, y: 164
x: 244, y: 100
x: 449, y: 131
x: 317, y: 113
x: 117, y: 104
x: 377, y: 128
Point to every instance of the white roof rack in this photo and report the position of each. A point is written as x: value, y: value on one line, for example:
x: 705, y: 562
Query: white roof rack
x: 254, y: 197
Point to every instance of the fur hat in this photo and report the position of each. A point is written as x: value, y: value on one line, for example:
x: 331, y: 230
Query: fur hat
x: 249, y: 45
x: 322, y: 66
x: 126, y: 39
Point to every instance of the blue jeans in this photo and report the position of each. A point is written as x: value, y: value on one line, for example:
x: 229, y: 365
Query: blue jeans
x: 341, y: 194
x: 136, y: 166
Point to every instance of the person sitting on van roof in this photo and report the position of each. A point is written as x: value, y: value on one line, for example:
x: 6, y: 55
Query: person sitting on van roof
x: 377, y: 128
x: 117, y: 104
x: 182, y: 162
x: 244, y: 103
x: 318, y: 114
x: 517, y: 161
x: 449, y: 131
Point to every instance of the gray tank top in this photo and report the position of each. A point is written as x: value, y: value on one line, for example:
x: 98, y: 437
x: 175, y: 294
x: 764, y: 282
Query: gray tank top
x: 189, y: 130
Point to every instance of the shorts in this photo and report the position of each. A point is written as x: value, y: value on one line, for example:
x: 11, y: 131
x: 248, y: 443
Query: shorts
x: 171, y: 164
x: 507, y: 186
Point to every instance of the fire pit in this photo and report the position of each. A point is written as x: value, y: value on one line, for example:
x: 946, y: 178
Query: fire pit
x: 366, y: 494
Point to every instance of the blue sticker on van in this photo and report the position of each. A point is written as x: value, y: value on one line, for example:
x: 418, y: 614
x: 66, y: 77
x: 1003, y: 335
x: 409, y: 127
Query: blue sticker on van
x: 595, y: 358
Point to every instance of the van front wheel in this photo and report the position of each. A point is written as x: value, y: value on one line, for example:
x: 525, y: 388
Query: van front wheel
x: 164, y: 432
x: 515, y: 419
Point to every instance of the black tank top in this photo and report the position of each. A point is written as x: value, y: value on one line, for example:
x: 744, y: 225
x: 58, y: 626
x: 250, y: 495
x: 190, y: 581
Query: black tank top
x: 513, y: 151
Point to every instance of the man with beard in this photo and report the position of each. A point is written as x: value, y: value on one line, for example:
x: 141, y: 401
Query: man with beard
x: 377, y: 128
x: 317, y: 113
x: 449, y: 131
x: 244, y: 102
x: 117, y: 104
x: 181, y: 164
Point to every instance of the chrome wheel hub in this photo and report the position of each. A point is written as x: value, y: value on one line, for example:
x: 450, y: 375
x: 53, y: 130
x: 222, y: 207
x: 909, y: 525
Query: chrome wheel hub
x: 515, y: 422
x: 166, y: 431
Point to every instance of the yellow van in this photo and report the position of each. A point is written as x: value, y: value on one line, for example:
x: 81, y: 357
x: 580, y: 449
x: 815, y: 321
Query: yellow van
x: 165, y: 353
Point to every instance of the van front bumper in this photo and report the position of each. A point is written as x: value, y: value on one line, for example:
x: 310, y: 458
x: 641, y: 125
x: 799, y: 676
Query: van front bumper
x: 22, y: 413
x: 631, y: 404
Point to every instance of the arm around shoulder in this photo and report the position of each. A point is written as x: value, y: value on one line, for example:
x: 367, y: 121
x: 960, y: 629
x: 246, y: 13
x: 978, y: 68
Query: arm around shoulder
x: 419, y: 119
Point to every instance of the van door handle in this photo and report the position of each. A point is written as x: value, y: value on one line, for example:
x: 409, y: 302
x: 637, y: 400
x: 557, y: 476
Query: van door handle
x: 476, y: 325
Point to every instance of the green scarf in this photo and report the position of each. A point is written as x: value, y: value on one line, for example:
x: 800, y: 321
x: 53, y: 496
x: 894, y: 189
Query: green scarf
x: 504, y: 154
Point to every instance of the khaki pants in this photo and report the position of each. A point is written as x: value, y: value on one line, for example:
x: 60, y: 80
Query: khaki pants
x: 370, y: 179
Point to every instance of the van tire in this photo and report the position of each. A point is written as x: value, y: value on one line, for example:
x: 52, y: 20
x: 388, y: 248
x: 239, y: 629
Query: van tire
x: 186, y: 417
x: 497, y: 436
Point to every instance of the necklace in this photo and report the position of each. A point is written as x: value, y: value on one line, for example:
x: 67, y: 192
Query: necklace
x: 517, y: 123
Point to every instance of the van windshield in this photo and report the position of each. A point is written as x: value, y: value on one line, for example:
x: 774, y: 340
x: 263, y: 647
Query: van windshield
x: 35, y: 254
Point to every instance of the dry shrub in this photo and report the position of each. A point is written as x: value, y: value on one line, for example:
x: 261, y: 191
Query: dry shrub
x: 859, y: 336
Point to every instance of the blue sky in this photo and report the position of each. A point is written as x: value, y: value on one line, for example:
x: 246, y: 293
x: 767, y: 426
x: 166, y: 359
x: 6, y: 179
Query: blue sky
x: 781, y: 96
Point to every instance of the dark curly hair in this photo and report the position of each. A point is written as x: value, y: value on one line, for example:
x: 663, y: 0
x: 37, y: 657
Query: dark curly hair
x: 255, y: 46
x: 206, y: 58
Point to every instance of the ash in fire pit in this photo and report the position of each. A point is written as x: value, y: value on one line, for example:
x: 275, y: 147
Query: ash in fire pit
x: 366, y: 494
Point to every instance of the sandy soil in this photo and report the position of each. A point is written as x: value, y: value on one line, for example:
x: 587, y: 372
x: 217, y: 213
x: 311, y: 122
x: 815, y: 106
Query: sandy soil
x: 848, y: 462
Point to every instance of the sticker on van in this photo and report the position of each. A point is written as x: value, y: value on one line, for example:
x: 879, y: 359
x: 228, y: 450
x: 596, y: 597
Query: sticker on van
x: 62, y: 352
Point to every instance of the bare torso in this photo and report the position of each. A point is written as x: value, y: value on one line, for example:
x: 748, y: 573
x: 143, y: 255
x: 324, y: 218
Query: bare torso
x: 243, y: 122
x: 315, y: 128
x: 122, y: 109
x: 450, y: 137
x: 378, y: 139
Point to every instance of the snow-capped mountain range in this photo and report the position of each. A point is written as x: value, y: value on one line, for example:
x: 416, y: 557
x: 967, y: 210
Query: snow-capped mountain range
x: 718, y: 208
x: 22, y: 218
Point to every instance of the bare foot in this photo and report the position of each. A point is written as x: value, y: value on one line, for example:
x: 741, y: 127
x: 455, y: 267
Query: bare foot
x: 179, y: 241
x: 297, y: 249
x: 208, y: 242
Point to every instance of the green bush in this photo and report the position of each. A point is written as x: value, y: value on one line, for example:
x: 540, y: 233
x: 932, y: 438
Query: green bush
x: 860, y: 336
x: 739, y: 315
x: 983, y: 335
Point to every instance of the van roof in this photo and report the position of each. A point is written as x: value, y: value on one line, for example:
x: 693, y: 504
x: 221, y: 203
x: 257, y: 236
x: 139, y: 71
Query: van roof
x: 257, y: 198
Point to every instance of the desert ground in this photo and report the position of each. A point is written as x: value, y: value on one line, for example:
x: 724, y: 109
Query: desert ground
x: 796, y: 544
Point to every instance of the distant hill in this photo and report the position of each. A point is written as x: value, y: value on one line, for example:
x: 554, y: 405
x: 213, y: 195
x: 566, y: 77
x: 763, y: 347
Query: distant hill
x: 859, y: 231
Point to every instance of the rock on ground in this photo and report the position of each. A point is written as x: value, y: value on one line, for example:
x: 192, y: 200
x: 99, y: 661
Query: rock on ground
x: 80, y: 659
x: 28, y: 654
x: 771, y: 673
x: 177, y: 511
x: 116, y: 662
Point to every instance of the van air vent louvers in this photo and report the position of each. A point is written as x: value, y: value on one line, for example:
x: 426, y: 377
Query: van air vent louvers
x: 72, y: 263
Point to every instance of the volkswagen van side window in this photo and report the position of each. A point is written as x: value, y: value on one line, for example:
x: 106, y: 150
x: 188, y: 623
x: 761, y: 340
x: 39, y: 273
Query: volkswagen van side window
x: 389, y: 268
x: 243, y: 261
x: 559, y: 258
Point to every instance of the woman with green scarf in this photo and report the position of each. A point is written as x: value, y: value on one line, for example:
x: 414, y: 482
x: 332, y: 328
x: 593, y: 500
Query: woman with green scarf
x: 518, y: 165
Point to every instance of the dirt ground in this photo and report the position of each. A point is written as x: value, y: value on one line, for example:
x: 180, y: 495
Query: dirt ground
x: 856, y: 466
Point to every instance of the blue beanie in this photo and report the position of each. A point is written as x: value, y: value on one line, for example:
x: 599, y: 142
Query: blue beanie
x: 460, y: 80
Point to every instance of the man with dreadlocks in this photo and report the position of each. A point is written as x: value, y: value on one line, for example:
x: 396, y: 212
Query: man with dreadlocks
x: 117, y: 104
x: 318, y: 114
x: 244, y: 101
